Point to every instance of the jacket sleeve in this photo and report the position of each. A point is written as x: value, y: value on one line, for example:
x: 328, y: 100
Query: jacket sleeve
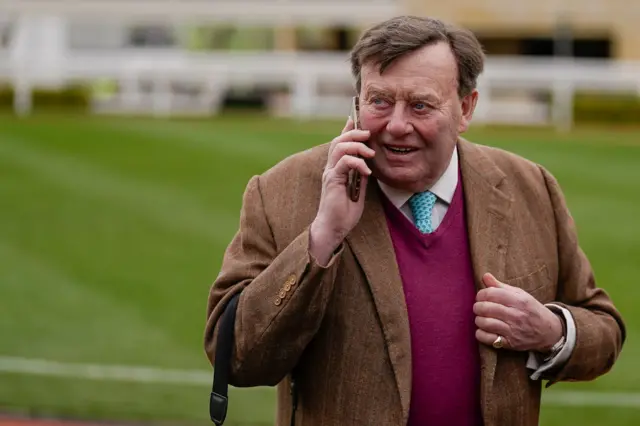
x: 283, y: 300
x: 600, y: 330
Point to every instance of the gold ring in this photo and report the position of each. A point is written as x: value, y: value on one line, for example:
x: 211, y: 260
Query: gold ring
x: 498, y: 342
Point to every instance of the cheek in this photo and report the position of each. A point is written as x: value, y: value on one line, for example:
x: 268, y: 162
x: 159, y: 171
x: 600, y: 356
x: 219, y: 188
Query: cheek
x: 429, y: 130
x: 370, y: 121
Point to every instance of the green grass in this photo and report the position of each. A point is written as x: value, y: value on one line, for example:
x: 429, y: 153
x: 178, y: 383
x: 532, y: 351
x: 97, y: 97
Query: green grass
x: 112, y: 230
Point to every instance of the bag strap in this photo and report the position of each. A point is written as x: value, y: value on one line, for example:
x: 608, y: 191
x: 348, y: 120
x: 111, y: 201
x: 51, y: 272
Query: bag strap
x: 219, y: 399
x: 294, y: 398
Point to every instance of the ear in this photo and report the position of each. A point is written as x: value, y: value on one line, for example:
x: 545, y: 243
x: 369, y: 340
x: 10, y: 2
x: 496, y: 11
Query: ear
x: 468, y: 105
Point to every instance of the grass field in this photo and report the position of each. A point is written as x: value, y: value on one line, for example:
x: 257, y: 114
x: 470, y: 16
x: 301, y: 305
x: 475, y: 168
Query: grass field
x: 112, y: 230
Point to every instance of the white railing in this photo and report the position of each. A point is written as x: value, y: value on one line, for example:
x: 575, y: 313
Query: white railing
x: 302, y: 74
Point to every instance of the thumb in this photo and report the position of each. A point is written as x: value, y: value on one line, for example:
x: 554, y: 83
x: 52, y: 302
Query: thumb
x: 491, y: 281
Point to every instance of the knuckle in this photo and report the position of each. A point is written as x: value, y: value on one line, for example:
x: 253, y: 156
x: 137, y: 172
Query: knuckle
x: 518, y: 318
x: 329, y: 175
x: 338, y: 151
x: 477, y: 308
x: 481, y: 322
x: 483, y: 309
x: 528, y: 303
x: 521, y: 301
x: 350, y: 162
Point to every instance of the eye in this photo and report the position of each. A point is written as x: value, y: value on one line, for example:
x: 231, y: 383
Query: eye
x: 378, y: 101
x: 420, y: 106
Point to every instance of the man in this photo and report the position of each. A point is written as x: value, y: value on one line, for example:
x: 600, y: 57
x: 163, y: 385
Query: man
x: 445, y: 293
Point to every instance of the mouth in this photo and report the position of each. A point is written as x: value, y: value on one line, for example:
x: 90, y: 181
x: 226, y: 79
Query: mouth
x: 400, y: 150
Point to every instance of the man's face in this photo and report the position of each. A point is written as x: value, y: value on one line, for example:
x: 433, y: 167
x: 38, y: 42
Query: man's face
x: 415, y: 115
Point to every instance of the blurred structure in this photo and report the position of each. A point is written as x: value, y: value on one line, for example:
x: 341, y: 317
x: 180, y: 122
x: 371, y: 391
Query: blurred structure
x: 169, y: 57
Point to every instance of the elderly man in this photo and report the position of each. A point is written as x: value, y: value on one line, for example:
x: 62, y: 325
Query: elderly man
x: 445, y: 294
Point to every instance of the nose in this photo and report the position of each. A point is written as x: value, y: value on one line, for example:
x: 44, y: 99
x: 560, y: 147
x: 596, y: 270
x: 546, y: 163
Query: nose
x: 398, y: 124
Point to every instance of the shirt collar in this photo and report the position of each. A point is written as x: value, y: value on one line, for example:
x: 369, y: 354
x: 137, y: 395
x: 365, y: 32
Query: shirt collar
x: 443, y: 188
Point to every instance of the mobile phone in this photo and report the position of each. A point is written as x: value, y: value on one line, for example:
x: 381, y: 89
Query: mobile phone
x: 354, y: 182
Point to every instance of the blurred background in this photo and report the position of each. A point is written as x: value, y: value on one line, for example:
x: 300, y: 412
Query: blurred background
x: 129, y: 129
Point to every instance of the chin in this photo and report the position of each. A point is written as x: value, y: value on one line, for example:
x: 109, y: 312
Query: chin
x: 404, y: 182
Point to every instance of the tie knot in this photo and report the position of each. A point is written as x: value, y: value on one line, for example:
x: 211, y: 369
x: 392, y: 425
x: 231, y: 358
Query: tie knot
x: 421, y: 205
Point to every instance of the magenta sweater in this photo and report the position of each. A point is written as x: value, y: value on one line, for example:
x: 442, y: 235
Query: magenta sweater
x: 440, y: 292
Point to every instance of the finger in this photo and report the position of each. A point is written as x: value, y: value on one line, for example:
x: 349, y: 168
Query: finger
x: 492, y: 325
x: 511, y: 297
x: 488, y: 338
x: 349, y: 125
x: 494, y: 310
x: 348, y: 163
x: 350, y: 148
x: 357, y: 135
x: 491, y: 281
x: 496, y: 295
x: 352, y: 135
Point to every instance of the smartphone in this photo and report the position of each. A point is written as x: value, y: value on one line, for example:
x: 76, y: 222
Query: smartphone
x: 354, y: 182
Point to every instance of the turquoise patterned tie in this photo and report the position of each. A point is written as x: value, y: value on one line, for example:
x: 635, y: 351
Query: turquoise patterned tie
x: 421, y: 207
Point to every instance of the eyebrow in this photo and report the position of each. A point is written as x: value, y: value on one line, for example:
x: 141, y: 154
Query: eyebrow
x: 375, y: 90
x: 419, y: 96
x: 429, y: 97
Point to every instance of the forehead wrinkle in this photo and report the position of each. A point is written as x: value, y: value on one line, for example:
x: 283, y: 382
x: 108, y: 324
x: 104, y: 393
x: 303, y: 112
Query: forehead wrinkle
x: 430, y: 69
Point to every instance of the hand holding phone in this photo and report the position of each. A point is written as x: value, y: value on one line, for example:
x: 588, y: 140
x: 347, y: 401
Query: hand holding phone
x: 341, y: 205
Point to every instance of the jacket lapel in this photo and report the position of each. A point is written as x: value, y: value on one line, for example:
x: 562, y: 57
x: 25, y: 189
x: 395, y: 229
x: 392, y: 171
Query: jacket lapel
x: 488, y: 222
x: 371, y: 243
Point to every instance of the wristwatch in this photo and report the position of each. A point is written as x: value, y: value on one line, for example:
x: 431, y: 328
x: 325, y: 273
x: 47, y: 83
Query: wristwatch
x: 555, y: 349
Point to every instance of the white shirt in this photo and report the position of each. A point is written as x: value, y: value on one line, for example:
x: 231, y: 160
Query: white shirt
x: 444, y: 188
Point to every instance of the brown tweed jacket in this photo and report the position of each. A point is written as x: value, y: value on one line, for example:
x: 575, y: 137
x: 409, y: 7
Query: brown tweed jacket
x: 345, y: 326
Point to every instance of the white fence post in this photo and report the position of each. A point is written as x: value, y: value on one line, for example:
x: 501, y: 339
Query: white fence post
x: 22, y: 96
x: 304, y: 94
x: 562, y: 105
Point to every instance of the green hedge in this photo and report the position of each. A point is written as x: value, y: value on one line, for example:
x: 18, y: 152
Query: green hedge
x: 76, y: 98
x: 606, y: 108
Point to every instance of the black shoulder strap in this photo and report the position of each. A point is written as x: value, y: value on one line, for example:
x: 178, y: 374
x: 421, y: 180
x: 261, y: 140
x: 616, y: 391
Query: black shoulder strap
x: 219, y: 400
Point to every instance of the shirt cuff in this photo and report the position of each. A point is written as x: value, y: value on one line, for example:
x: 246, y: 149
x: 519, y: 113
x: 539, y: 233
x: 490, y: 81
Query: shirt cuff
x: 534, y: 362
